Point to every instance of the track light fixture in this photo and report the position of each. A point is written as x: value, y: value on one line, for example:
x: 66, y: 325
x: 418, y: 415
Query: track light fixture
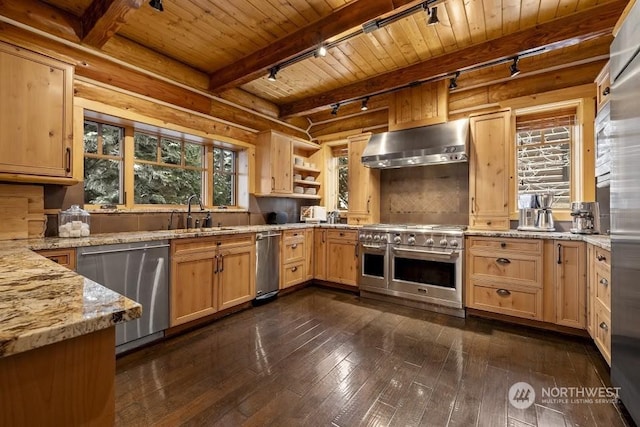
x: 513, y: 68
x: 157, y: 5
x: 453, y: 82
x: 334, y: 110
x: 364, y: 106
x: 273, y: 71
x: 321, y: 51
x: 433, y: 15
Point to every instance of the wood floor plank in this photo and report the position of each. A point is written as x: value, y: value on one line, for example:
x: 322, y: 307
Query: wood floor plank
x: 319, y: 356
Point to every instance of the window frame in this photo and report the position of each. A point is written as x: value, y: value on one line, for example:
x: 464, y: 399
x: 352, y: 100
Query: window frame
x: 99, y: 155
x: 243, y: 153
x: 335, y: 147
x: 233, y: 173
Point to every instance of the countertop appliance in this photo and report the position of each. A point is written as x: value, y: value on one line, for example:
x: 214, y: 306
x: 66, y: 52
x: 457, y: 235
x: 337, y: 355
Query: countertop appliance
x: 585, y: 218
x: 277, y: 218
x: 436, y: 144
x: 416, y: 262
x: 313, y: 213
x: 535, y: 212
x: 625, y: 212
x: 267, y: 265
x: 138, y: 271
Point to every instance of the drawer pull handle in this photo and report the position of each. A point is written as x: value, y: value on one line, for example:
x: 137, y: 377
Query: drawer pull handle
x: 295, y: 245
x: 294, y: 269
x: 604, y: 282
x: 606, y: 91
x: 601, y: 258
x: 503, y: 245
x: 503, y: 292
x: 341, y: 234
x: 604, y: 326
x: 503, y: 261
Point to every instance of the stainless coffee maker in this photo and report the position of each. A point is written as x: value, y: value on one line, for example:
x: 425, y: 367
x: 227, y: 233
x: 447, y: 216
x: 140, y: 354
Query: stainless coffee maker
x: 535, y: 212
x: 585, y: 217
x: 544, y: 218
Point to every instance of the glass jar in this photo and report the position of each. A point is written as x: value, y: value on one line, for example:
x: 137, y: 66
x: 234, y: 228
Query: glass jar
x: 74, y: 222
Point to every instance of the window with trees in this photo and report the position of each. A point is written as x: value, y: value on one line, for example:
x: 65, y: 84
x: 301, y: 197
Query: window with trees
x: 544, y: 143
x: 133, y: 164
x: 342, y: 177
x: 103, y: 158
x: 337, y: 192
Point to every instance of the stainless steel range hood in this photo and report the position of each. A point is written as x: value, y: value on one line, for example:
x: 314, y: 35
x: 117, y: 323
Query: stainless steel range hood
x: 429, y: 145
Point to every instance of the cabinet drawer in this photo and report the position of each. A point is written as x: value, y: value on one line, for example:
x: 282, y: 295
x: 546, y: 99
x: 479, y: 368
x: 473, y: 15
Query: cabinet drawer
x: 293, y: 250
x: 64, y: 257
x: 603, y: 84
x: 293, y: 273
x: 292, y: 234
x: 603, y: 286
x: 483, y: 223
x: 506, y: 244
x: 520, y: 302
x: 506, y: 268
x: 602, y: 331
x: 197, y: 244
x: 603, y: 257
x: 350, y: 235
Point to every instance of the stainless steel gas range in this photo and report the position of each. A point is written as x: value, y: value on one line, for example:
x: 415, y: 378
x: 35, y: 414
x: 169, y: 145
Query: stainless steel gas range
x: 420, y: 263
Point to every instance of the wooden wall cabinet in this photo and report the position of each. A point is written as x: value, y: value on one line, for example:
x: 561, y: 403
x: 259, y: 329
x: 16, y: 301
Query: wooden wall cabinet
x: 64, y: 257
x: 490, y: 176
x: 209, y: 274
x: 570, y: 282
x: 364, y: 185
x: 599, y: 299
x: 320, y: 253
x: 603, y: 87
x: 504, y: 275
x: 36, y: 117
x: 423, y: 105
x: 279, y: 157
x: 342, y: 257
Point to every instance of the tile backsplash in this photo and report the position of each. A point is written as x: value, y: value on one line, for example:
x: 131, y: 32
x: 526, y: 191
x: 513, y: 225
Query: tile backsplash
x: 437, y: 194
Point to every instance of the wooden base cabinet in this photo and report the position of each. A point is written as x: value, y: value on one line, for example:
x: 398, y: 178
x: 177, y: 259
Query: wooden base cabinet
x: 342, y: 257
x: 295, y: 265
x: 570, y: 283
x: 320, y: 254
x: 599, y: 299
x: 64, y: 257
x: 209, y: 274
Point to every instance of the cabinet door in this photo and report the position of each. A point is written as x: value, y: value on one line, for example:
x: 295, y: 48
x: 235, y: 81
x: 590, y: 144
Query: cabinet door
x: 193, y: 287
x: 590, y: 289
x: 364, y: 185
x: 342, y: 262
x: 236, y: 276
x: 320, y: 254
x: 35, y: 114
x: 489, y: 174
x: 417, y: 106
x: 281, y: 164
x: 571, y: 289
x: 308, y: 238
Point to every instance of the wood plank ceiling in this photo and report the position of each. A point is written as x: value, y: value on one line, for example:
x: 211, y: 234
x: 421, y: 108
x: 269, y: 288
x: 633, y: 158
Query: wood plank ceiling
x: 215, y: 37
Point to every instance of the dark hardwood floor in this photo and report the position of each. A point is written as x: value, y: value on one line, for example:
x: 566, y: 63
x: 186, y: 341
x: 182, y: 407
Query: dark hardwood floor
x: 321, y: 357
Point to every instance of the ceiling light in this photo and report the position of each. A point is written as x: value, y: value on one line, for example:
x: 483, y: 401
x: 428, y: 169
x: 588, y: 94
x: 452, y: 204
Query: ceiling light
x: 321, y: 51
x: 370, y: 27
x: 364, y: 104
x: 272, y: 73
x: 157, y: 5
x: 334, y: 111
x: 453, y: 82
x: 513, y: 68
x: 433, y: 16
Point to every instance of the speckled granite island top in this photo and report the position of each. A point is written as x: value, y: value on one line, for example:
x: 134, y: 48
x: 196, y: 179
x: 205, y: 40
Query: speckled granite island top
x: 43, y: 303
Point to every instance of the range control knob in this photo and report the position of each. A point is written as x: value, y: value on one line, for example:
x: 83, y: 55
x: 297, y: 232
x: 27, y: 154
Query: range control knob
x: 376, y: 238
x: 411, y: 240
x: 454, y: 243
x: 383, y: 238
x: 443, y: 242
x: 397, y: 240
x: 368, y: 237
x: 430, y: 242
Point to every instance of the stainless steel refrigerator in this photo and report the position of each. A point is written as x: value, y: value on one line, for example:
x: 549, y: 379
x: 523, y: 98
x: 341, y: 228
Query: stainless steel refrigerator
x: 625, y: 213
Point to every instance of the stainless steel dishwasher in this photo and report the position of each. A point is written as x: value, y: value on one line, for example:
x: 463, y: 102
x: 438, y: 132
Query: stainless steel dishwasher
x: 138, y: 271
x: 267, y: 265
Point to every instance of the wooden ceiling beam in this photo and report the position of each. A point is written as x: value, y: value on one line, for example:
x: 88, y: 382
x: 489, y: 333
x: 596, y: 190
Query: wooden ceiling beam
x: 43, y: 17
x: 103, y: 18
x: 562, y: 32
x: 258, y: 63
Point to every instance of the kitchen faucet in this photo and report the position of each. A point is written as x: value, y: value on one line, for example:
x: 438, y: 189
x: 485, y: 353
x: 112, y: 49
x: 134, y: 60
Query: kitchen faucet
x: 189, y: 218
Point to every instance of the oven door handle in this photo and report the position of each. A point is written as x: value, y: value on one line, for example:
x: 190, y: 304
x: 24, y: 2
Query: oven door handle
x: 443, y: 255
x: 378, y: 248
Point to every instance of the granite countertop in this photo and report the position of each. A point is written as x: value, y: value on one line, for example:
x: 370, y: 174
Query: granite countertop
x: 601, y: 241
x: 42, y: 302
